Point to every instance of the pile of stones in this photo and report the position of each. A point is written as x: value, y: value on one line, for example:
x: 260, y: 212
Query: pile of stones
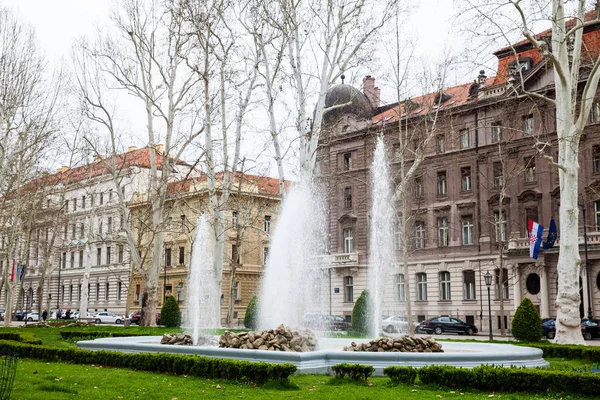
x: 185, y: 339
x: 280, y: 339
x: 403, y: 344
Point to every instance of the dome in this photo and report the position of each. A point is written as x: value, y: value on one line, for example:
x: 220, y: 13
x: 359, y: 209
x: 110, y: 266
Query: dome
x: 358, y: 104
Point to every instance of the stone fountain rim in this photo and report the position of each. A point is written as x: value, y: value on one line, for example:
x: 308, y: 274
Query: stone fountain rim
x: 320, y: 361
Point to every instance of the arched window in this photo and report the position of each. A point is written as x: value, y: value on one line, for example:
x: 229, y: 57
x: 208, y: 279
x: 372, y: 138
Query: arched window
x: 421, y: 286
x: 533, y: 283
x: 445, y: 286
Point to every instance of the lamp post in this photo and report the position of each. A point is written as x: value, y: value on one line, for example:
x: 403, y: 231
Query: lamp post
x: 179, y: 290
x: 488, y: 283
x: 587, y: 266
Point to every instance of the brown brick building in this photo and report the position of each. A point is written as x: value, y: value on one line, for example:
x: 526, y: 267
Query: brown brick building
x: 486, y: 170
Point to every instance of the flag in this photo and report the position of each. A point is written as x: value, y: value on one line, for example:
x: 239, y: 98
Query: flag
x: 535, y: 238
x: 12, y: 274
x: 22, y: 272
x: 552, y: 234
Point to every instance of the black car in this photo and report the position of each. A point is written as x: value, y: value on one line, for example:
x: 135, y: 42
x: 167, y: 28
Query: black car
x: 326, y: 322
x: 549, y: 328
x: 440, y: 325
x: 590, y: 329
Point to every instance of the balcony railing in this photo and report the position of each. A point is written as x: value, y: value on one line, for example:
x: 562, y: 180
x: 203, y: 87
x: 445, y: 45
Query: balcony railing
x: 593, y: 238
x: 340, y: 260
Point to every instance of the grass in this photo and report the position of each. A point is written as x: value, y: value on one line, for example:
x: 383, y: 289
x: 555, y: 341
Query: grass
x: 41, y: 380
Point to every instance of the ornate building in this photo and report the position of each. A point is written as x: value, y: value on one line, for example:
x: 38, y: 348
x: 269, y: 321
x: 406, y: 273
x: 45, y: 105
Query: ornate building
x: 487, y: 168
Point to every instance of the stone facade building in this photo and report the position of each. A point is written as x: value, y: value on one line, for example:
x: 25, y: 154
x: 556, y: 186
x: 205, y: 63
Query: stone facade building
x: 250, y: 216
x: 487, y: 168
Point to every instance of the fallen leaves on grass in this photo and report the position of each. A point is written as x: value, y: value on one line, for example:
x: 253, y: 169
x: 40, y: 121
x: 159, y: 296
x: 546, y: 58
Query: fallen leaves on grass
x: 218, y: 387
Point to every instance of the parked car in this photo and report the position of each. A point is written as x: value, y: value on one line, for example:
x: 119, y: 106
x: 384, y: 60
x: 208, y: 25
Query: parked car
x: 18, y: 316
x: 396, y: 323
x: 590, y: 328
x: 440, y: 325
x: 32, y: 316
x: 326, y: 322
x: 135, y: 317
x: 105, y: 317
x: 548, y: 328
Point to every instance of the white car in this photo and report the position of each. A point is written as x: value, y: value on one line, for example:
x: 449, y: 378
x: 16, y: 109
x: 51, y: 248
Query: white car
x: 32, y: 316
x: 396, y: 323
x: 108, y: 318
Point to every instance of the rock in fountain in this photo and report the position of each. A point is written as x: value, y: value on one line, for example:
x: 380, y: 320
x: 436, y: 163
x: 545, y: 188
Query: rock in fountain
x: 404, y: 344
x: 185, y: 339
x: 280, y: 339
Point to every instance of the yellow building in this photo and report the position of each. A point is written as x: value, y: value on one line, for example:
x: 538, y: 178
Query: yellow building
x: 249, y: 215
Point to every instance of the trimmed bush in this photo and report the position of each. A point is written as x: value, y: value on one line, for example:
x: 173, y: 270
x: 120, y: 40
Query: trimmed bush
x: 358, y: 372
x: 212, y: 368
x: 499, y: 379
x: 362, y: 318
x: 251, y: 317
x: 527, y: 324
x: 20, y: 337
x: 401, y: 375
x: 571, y: 352
x: 170, y: 315
x: 94, y: 334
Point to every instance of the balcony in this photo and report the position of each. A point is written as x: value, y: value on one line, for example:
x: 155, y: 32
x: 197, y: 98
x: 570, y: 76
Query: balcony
x: 340, y: 260
x: 593, y: 239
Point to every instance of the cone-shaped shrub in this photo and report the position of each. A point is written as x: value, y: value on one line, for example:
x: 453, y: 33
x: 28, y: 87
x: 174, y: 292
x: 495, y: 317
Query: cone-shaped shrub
x: 251, y: 317
x: 362, y: 318
x: 170, y: 315
x: 527, y: 324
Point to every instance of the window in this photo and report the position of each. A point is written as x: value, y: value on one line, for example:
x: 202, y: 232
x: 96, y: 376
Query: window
x: 597, y: 214
x: 440, y: 144
x: 504, y: 282
x: 419, y: 191
x: 421, y: 286
x: 348, y: 197
x: 234, y: 219
x: 397, y: 237
x: 64, y: 260
x: 182, y: 223
x: 465, y: 139
x: 531, y: 213
x: 73, y: 231
x: 442, y: 223
x: 109, y: 225
x: 442, y: 184
x: 400, y: 294
x: 465, y: 179
x: 101, y: 198
x: 80, y: 258
x: 419, y: 235
x: 594, y: 113
x: 528, y: 125
x: 467, y: 230
x: 108, y: 255
x: 66, y: 205
x: 72, y: 259
x: 469, y: 285
x: 533, y: 283
x: 119, y: 291
x: 596, y: 158
x: 70, y: 292
x: 75, y: 204
x: 347, y: 161
x: 110, y: 195
x: 137, y: 293
x: 82, y: 229
x: 498, y: 174
x: 106, y: 290
x: 496, y: 132
x: 99, y: 256
x: 168, y: 257
x: 348, y: 289
x: 265, y: 255
x: 181, y: 256
x: 235, y: 254
x: 530, y: 169
x: 268, y: 223
x: 62, y: 292
x: 236, y: 290
x: 501, y: 227
x: 66, y: 232
x: 100, y: 227
x: 445, y: 293
x: 97, y: 291
x: 348, y: 241
x: 120, y: 252
x: 82, y: 201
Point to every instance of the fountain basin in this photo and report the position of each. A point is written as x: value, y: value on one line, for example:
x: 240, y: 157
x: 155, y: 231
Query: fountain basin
x: 458, y: 354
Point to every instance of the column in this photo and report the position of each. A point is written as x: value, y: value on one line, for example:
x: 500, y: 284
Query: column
x: 544, y: 292
x: 517, y: 285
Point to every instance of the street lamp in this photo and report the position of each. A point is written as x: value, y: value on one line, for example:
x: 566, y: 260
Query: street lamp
x: 179, y: 290
x: 488, y: 283
x: 587, y: 265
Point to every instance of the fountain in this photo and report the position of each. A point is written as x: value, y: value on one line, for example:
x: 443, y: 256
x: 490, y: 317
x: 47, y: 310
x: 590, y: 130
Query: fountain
x: 381, y: 250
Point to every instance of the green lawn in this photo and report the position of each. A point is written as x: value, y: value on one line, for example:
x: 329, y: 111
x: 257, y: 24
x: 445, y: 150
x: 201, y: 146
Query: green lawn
x: 41, y: 380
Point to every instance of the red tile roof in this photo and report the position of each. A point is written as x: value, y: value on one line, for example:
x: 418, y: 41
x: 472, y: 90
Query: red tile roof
x: 265, y: 185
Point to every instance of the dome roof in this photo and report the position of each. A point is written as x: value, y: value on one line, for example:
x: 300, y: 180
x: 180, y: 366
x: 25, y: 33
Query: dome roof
x: 359, y: 105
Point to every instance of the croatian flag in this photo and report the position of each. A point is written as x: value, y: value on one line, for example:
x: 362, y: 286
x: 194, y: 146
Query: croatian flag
x: 535, y: 238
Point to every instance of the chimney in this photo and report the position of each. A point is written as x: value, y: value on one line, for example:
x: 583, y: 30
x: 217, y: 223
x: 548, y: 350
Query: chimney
x: 481, y: 78
x: 160, y: 148
x: 373, y: 93
x: 62, y: 169
x: 131, y: 148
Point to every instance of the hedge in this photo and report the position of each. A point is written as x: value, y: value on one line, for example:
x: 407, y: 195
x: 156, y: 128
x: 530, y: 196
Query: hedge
x: 491, y: 378
x: 96, y: 334
x: 205, y: 367
x: 354, y: 371
x: 20, y: 337
x: 401, y: 375
x: 571, y: 352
